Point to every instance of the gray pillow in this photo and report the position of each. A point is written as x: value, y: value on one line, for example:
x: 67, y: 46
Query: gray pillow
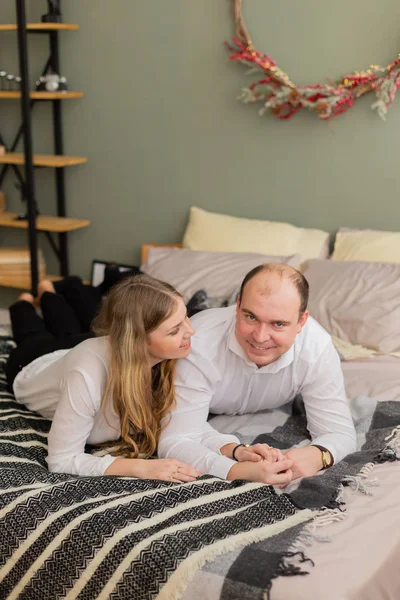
x: 358, y: 302
x: 219, y: 273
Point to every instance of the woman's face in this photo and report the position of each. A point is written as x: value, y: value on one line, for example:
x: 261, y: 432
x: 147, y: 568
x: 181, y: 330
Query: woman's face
x: 171, y: 339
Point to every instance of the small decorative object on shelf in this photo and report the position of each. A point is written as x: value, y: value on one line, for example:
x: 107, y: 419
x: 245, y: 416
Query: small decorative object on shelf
x: 54, y: 14
x: 10, y: 81
x: 52, y: 83
x: 2, y: 201
x: 2, y: 150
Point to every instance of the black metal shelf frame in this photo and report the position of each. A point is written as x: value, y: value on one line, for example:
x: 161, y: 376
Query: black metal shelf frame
x: 25, y: 131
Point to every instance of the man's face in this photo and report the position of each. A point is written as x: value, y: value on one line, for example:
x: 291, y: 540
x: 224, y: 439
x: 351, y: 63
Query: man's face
x: 267, y: 323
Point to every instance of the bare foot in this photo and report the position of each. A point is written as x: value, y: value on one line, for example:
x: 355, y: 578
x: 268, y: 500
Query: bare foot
x: 44, y: 286
x: 27, y: 297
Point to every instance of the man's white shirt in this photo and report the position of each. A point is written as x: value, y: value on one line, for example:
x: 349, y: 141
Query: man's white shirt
x: 217, y: 377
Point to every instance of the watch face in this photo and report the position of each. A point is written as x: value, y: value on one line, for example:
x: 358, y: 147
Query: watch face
x: 327, y: 458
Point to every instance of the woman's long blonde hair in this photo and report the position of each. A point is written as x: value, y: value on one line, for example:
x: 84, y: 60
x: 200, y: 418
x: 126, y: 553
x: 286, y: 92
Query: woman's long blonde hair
x: 141, y: 395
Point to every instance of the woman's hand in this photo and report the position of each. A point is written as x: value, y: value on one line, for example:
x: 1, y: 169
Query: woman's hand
x: 259, y: 452
x: 165, y: 469
x: 168, y: 469
x: 277, y: 473
x: 253, y: 453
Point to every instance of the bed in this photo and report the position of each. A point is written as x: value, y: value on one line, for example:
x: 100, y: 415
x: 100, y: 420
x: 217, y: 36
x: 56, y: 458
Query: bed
x: 335, y: 537
x: 355, y: 297
x: 357, y: 557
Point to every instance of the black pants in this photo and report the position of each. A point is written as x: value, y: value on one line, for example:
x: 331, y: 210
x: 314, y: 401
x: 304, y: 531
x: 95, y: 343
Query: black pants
x: 67, y: 318
x: 67, y: 315
x: 84, y: 300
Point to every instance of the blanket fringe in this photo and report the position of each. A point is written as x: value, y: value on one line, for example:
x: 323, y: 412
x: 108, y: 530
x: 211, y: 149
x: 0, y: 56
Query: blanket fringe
x: 391, y: 451
x: 309, y: 534
x: 289, y: 562
x: 362, y: 482
x: 287, y: 567
x: 340, y: 495
x: 327, y: 515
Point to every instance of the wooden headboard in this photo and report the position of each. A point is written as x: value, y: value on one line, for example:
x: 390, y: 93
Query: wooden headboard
x: 145, y: 248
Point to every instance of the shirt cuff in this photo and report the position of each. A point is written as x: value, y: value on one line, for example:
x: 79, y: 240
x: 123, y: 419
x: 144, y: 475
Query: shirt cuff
x: 326, y: 442
x: 223, y: 440
x: 221, y: 466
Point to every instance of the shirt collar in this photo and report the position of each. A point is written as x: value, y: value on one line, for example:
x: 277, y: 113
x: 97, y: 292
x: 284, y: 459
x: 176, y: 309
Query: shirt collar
x: 283, y: 361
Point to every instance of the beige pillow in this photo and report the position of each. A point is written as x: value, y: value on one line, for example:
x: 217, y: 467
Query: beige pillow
x: 358, y: 302
x: 222, y: 233
x: 367, y: 245
x: 219, y: 273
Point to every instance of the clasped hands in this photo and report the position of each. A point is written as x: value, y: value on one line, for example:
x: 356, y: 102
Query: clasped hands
x: 261, y: 462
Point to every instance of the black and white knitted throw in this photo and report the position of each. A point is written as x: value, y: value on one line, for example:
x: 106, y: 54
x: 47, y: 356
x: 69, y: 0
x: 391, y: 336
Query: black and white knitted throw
x: 86, y: 538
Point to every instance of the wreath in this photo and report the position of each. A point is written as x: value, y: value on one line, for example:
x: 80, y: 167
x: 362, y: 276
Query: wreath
x: 283, y: 98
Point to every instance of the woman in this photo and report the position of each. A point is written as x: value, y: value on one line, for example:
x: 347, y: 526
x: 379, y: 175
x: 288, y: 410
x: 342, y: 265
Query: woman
x: 115, y: 387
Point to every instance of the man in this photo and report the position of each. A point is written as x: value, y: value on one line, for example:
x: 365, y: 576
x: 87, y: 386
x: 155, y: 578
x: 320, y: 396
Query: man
x: 255, y: 356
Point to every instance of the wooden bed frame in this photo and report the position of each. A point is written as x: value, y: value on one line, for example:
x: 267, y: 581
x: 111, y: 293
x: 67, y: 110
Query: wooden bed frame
x: 145, y: 248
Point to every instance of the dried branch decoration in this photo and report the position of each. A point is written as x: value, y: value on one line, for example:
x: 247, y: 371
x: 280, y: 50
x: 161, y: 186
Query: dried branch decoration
x: 283, y: 98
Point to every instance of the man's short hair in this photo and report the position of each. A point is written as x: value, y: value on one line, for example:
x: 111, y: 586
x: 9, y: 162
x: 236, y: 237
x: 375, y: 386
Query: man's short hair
x: 286, y: 272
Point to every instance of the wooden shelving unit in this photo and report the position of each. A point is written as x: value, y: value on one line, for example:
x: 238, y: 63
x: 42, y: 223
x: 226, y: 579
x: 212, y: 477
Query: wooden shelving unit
x: 40, y: 27
x: 22, y: 282
x: 43, y: 223
x: 43, y: 160
x: 14, y: 95
x: 59, y: 225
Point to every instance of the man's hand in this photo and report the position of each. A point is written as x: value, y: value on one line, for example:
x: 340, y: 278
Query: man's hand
x: 306, y: 461
x: 253, y: 453
x: 276, y: 473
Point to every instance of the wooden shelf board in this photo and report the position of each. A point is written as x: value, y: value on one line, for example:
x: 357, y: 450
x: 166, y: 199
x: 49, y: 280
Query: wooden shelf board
x: 11, y: 95
x: 40, y: 26
x: 42, y: 160
x: 22, y: 282
x: 44, y: 223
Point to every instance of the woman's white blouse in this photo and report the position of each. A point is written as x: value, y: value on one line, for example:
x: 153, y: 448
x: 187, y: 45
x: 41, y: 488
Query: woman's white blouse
x: 67, y: 386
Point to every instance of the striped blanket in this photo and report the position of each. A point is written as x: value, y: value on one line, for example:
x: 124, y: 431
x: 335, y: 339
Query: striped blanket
x: 64, y: 536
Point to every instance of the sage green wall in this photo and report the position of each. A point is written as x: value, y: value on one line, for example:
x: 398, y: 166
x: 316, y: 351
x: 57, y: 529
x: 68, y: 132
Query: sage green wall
x: 162, y: 129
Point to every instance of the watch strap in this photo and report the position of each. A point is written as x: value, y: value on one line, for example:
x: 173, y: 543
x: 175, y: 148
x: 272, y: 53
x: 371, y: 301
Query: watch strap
x: 236, y: 447
x: 324, y: 451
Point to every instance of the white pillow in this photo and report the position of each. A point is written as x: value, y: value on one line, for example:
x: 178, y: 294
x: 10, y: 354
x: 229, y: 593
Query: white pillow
x: 219, y: 273
x: 367, y: 245
x: 222, y: 233
x: 358, y: 302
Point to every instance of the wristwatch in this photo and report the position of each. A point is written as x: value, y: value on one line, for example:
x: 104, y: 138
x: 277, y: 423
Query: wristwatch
x: 236, y: 447
x: 327, y: 458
